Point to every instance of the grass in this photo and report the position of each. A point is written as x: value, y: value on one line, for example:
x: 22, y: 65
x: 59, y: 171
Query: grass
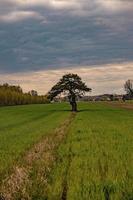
x: 93, y: 162
x: 22, y: 126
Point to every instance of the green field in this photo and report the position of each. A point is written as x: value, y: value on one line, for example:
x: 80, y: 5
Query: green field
x: 22, y: 126
x: 93, y: 161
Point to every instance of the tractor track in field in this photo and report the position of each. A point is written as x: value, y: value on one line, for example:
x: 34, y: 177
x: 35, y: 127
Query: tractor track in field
x: 65, y: 183
x: 14, y: 186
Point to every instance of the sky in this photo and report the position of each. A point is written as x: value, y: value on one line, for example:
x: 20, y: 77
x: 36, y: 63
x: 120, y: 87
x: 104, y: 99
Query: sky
x: 41, y: 40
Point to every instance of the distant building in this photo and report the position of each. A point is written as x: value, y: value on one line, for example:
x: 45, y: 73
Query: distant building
x: 127, y: 97
x: 103, y: 97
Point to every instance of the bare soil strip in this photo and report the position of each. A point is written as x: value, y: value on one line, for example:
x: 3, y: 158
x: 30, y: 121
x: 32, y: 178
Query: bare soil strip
x: 16, y: 183
x: 124, y: 105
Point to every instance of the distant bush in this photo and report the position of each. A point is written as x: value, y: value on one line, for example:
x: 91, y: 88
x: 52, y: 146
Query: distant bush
x: 13, y: 95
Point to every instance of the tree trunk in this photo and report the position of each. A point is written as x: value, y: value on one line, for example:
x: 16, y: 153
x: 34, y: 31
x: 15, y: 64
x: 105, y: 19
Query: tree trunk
x: 74, y: 106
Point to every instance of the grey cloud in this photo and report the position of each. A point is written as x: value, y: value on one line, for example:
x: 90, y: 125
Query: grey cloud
x: 59, y: 34
x: 19, y: 16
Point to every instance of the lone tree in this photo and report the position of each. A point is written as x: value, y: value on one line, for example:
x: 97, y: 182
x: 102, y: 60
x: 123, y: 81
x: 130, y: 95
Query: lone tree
x: 129, y: 88
x: 72, y: 86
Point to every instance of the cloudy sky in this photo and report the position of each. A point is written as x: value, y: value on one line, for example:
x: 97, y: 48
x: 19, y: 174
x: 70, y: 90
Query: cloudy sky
x: 40, y: 40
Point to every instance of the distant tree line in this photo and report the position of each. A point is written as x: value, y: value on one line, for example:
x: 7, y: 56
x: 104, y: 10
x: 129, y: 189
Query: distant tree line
x: 70, y: 84
x: 14, y: 95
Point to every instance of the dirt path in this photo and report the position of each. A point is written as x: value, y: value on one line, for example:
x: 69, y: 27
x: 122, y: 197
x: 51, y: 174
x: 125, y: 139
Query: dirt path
x: 15, y: 186
x: 124, y: 105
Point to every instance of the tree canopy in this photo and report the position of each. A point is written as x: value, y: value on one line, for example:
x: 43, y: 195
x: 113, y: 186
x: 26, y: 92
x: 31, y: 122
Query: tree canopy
x: 72, y: 85
x: 129, y: 87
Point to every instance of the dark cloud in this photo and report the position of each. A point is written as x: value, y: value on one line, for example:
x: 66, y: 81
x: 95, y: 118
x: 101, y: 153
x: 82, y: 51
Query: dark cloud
x: 64, y: 34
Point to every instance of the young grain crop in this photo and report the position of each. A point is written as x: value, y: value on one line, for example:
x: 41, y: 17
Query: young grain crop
x: 95, y: 163
x: 23, y: 126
